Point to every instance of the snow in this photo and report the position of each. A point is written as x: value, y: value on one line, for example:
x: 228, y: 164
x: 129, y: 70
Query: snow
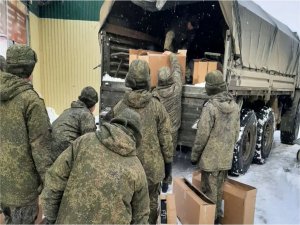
x: 107, y: 77
x: 277, y: 182
x: 200, y: 84
x: 52, y: 114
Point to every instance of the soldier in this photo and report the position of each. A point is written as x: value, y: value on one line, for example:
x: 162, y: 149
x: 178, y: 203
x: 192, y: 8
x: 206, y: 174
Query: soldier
x: 181, y: 36
x: 98, y: 179
x: 2, y: 63
x: 218, y: 130
x: 75, y: 121
x: 156, y: 150
x: 25, y: 138
x: 169, y: 91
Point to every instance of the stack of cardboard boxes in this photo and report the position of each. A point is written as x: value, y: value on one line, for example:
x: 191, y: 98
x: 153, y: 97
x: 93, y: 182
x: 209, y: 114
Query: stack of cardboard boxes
x: 156, y: 60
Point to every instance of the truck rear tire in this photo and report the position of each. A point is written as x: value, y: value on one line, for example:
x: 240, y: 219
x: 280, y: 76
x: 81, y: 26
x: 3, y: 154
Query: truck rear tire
x: 288, y: 137
x: 245, y: 147
x: 265, y: 134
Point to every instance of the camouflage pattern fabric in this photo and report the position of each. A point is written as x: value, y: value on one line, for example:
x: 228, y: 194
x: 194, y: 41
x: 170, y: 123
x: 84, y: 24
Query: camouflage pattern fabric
x: 212, y: 187
x: 138, y: 76
x: 20, y: 60
x: 71, y: 124
x: 217, y: 133
x: 156, y: 148
x: 25, y: 141
x: 97, y: 180
x: 169, y: 94
x: 21, y: 215
x: 154, y: 192
x: 2, y: 63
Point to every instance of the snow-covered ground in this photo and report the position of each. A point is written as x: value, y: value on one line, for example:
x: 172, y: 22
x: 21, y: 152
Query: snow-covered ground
x: 277, y: 183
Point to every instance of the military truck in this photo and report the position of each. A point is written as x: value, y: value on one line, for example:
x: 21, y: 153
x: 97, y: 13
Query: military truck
x: 259, y: 54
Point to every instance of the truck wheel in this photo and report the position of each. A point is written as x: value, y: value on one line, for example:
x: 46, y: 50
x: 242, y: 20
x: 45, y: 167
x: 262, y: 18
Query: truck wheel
x: 288, y: 137
x: 265, y: 134
x: 245, y: 147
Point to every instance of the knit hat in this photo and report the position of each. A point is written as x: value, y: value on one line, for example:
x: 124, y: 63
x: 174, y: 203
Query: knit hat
x: 89, y: 96
x: 215, y: 83
x: 138, y: 76
x: 20, y: 60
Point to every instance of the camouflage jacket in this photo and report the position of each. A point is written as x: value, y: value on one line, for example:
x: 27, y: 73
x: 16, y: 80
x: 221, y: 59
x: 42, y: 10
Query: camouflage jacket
x: 97, y: 180
x: 156, y: 148
x: 170, y: 96
x: 25, y: 140
x: 71, y: 124
x: 218, y: 130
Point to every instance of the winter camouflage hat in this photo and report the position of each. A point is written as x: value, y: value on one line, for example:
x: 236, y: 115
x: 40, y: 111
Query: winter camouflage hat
x: 165, y: 77
x: 131, y: 120
x: 89, y: 96
x: 214, y: 83
x: 20, y: 60
x: 2, y: 63
x: 138, y: 76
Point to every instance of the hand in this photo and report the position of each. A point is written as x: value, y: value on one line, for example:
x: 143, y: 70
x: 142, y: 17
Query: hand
x: 194, y: 163
x: 164, y: 187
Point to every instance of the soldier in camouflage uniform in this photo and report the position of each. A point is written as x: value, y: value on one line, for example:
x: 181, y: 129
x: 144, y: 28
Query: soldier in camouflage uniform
x: 2, y: 63
x: 25, y: 138
x: 98, y: 179
x: 169, y: 90
x: 75, y: 121
x: 156, y: 150
x: 218, y: 130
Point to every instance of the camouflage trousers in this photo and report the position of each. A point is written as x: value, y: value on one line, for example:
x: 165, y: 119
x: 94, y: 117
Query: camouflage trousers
x: 212, y: 187
x: 154, y: 191
x: 168, y: 179
x: 20, y: 215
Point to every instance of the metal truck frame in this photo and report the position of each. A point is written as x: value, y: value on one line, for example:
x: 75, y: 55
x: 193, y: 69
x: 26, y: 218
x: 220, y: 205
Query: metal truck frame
x: 260, y: 65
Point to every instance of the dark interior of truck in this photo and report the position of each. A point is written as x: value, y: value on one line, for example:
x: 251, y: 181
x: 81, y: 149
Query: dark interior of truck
x: 209, y: 36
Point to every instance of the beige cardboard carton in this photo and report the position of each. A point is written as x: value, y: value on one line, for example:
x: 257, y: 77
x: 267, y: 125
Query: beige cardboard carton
x: 156, y: 60
x: 202, y: 68
x: 239, y: 200
x: 168, y: 213
x: 192, y: 206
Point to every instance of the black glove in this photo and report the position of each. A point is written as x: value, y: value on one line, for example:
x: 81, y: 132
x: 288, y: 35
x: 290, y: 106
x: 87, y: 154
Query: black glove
x: 164, y: 187
x: 168, y: 169
x: 194, y: 163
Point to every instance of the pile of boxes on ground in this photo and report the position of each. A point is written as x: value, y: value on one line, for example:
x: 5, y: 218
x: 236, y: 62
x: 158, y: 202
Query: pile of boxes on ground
x: 156, y: 60
x: 191, y: 206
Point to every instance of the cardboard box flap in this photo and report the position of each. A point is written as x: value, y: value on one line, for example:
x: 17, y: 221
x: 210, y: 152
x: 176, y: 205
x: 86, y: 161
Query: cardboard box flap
x: 197, y: 192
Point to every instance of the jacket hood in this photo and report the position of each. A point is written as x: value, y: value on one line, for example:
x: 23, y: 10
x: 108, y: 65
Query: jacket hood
x: 224, y: 102
x: 11, y: 86
x: 78, y: 104
x: 117, y: 140
x: 138, y: 98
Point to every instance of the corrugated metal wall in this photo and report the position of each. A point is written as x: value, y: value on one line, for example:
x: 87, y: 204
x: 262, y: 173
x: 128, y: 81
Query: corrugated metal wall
x: 68, y: 50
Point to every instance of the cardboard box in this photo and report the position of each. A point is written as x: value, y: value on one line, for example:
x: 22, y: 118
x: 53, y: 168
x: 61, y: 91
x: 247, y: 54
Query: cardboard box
x: 192, y: 206
x: 239, y: 200
x: 202, y: 68
x: 168, y: 213
x: 157, y: 60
